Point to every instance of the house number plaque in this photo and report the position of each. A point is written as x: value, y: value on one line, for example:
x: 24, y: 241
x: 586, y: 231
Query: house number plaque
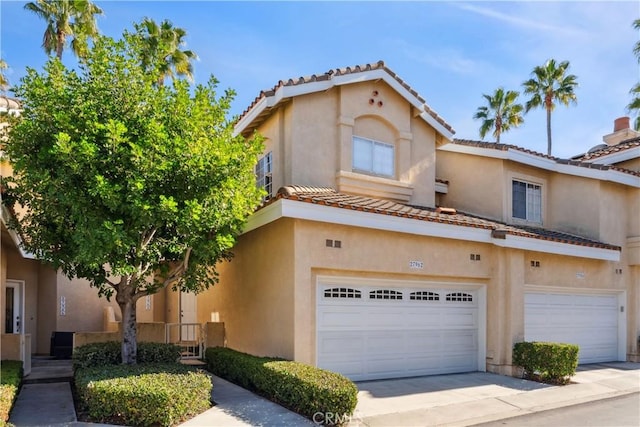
x: 416, y: 265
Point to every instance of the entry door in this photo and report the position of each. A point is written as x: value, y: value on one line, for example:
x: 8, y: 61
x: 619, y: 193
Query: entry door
x: 187, y: 315
x: 14, y: 307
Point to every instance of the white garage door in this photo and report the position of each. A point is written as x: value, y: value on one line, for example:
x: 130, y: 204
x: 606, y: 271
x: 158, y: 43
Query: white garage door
x: 590, y: 321
x: 367, y: 332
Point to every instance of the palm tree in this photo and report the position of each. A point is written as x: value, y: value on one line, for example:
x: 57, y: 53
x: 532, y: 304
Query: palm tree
x: 500, y: 114
x: 162, y: 43
x: 550, y: 84
x: 66, y: 18
x: 634, y: 105
x: 3, y: 79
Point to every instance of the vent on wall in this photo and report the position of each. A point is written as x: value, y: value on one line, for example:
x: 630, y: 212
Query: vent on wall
x: 333, y: 243
x: 535, y: 263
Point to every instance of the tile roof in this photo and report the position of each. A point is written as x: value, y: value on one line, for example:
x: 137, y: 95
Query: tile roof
x: 380, y: 65
x: 605, y: 151
x: 571, y: 162
x: 330, y: 197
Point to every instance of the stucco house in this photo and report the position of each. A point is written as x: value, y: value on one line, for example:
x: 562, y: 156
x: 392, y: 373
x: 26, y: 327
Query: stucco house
x: 386, y: 248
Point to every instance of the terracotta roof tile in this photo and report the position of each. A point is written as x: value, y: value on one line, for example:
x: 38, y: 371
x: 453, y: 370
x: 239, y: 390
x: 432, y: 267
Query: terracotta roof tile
x: 621, y: 146
x: 572, y: 162
x: 330, y: 197
x: 380, y: 65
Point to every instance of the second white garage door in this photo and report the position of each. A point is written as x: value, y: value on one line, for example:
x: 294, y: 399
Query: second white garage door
x: 367, y: 332
x: 588, y: 320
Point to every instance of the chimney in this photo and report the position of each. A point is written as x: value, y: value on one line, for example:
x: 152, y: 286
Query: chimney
x: 621, y: 123
x: 621, y: 131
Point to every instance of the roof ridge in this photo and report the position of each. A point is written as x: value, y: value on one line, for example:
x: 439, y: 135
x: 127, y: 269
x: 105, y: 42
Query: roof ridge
x: 328, y: 75
x: 572, y: 161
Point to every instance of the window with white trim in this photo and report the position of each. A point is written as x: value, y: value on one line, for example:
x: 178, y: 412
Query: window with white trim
x: 263, y: 175
x: 373, y: 157
x: 526, y: 201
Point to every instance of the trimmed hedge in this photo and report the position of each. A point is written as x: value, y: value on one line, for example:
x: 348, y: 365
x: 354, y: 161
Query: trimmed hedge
x: 10, y: 379
x: 143, y: 395
x: 547, y: 361
x: 304, y: 389
x: 109, y: 353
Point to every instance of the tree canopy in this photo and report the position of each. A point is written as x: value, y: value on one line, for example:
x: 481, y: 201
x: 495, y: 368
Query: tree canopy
x: 131, y: 185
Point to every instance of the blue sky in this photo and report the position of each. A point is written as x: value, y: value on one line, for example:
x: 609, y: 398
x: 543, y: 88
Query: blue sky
x: 449, y: 52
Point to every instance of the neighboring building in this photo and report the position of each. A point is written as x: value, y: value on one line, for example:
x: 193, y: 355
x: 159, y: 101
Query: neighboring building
x: 387, y: 248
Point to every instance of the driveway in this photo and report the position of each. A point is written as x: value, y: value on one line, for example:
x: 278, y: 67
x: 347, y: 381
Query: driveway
x: 467, y: 399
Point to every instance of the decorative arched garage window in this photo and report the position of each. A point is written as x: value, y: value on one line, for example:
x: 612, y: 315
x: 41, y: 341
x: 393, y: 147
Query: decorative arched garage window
x: 342, y: 293
x: 459, y: 296
x: 424, y: 296
x: 385, y: 294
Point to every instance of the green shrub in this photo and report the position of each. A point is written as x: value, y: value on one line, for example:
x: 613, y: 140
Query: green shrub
x: 10, y: 379
x: 547, y: 361
x: 109, y: 353
x: 143, y: 395
x: 304, y: 389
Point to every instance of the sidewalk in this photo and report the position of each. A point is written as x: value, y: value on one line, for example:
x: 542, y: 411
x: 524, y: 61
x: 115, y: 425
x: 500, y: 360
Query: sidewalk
x: 442, y: 400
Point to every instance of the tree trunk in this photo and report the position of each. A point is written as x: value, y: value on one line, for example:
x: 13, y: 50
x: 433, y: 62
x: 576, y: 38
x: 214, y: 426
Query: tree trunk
x: 127, y: 304
x: 548, y: 131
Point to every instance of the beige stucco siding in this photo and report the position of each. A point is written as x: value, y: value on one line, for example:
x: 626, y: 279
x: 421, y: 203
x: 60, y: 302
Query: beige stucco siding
x: 310, y: 138
x: 469, y: 177
x: 83, y: 308
x: 313, y: 131
x: 254, y: 297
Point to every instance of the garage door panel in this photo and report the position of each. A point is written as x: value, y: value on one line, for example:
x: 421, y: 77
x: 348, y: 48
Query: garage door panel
x: 338, y: 317
x: 377, y: 338
x: 460, y: 318
x: 383, y: 342
x: 588, y: 320
x: 340, y: 345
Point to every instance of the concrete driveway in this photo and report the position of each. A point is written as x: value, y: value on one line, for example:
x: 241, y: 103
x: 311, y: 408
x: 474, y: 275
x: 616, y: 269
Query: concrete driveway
x: 472, y: 398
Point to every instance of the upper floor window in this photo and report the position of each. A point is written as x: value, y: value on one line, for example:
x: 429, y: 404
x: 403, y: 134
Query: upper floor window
x: 373, y: 157
x: 263, y: 175
x: 527, y: 201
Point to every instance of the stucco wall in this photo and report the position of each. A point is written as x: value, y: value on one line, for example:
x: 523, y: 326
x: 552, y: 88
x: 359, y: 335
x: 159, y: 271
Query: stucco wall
x: 83, y: 308
x: 311, y: 141
x: 470, y: 176
x: 254, y: 298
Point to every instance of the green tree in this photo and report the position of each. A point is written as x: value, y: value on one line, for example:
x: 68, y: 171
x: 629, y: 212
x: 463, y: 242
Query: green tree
x: 128, y: 184
x: 162, y: 44
x: 500, y: 114
x: 66, y: 18
x: 549, y: 85
x: 4, y: 82
x: 634, y: 105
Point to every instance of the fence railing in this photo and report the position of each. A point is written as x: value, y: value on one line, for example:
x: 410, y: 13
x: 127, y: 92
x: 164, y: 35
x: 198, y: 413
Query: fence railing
x: 189, y: 336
